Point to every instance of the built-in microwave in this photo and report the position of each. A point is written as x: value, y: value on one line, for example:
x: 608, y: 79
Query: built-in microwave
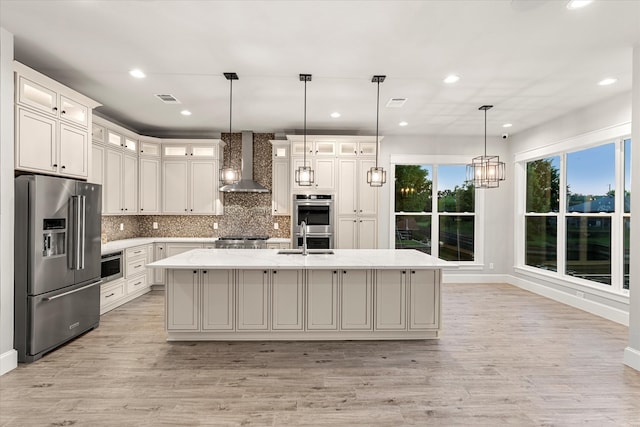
x: 316, y: 210
x: 111, y: 266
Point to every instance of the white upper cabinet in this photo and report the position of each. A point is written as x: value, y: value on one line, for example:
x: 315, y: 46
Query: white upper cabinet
x: 191, y: 149
x: 280, y: 172
x: 314, y: 148
x: 356, y: 148
x: 52, y: 126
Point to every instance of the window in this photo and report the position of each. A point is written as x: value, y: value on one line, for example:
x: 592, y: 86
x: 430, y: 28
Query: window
x: 443, y: 208
x: 573, y: 216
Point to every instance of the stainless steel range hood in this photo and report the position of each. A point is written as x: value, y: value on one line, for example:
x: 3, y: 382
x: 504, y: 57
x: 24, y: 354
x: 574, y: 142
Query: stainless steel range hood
x: 246, y: 183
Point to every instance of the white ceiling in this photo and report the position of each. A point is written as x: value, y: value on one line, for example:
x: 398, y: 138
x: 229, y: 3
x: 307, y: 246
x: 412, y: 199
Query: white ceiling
x: 533, y: 60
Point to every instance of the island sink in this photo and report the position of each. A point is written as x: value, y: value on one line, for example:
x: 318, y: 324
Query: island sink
x: 309, y: 252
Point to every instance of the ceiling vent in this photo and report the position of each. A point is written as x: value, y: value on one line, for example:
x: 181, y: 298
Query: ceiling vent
x: 168, y: 99
x: 396, y: 102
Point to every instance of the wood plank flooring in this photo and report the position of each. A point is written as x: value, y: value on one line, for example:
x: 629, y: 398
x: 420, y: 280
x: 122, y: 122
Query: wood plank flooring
x: 506, y: 357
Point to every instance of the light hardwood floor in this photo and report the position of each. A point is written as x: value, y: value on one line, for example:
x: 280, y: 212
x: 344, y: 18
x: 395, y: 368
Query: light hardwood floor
x: 506, y: 357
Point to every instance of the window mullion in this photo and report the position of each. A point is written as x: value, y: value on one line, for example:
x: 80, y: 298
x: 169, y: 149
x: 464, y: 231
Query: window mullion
x: 562, y: 221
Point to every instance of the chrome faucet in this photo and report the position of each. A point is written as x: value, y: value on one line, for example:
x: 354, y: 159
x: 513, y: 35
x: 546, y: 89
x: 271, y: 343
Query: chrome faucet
x: 303, y: 230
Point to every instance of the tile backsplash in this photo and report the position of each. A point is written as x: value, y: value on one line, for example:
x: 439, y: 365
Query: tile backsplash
x: 244, y: 213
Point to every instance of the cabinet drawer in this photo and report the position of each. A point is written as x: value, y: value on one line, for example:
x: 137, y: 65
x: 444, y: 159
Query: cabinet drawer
x: 137, y: 284
x: 111, y: 293
x: 136, y: 252
x: 136, y: 266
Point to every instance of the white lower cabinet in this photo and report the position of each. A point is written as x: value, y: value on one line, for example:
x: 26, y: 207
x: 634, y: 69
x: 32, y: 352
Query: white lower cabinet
x: 159, y: 252
x: 355, y: 298
x: 183, y: 299
x: 111, y: 294
x: 357, y: 233
x: 301, y: 304
x: 391, y: 299
x: 424, y: 299
x: 253, y: 300
x: 322, y: 299
x: 287, y: 300
x: 135, y: 282
x: 218, y: 299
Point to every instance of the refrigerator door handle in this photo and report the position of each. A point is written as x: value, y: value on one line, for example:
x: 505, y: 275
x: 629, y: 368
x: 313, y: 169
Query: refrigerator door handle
x: 73, y: 291
x: 77, y: 238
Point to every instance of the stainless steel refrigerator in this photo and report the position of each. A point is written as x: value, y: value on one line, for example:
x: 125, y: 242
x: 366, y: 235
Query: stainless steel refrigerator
x: 57, y: 262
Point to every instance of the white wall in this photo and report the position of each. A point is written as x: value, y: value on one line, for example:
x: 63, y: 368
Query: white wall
x: 613, y: 111
x: 8, y: 356
x: 498, y: 204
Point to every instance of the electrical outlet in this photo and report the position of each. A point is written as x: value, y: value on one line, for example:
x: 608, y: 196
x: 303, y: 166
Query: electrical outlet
x: 490, y: 266
x: 155, y: 225
x: 121, y: 226
x: 275, y: 226
x: 215, y: 225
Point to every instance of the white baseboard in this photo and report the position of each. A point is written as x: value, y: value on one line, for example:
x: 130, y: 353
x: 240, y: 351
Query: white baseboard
x: 449, y: 277
x: 8, y: 361
x: 632, y: 358
x: 593, y: 307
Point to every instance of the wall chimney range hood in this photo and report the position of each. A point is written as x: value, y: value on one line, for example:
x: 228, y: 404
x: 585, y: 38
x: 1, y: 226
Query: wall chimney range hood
x: 246, y: 183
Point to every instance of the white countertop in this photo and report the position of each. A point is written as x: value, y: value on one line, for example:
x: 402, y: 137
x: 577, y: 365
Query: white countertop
x: 252, y: 259
x: 119, y: 245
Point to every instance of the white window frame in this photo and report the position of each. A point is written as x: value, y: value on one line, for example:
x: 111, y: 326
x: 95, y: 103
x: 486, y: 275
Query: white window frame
x: 614, y: 134
x: 479, y: 204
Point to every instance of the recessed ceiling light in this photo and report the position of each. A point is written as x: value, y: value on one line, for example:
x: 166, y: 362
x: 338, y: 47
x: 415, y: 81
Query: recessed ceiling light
x: 451, y: 78
x: 185, y: 112
x: 578, y: 4
x: 403, y: 124
x: 137, y: 73
x: 507, y: 125
x: 335, y: 114
x: 608, y: 81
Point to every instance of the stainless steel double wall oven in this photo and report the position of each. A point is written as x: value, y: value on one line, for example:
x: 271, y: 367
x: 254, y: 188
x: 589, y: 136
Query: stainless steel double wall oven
x: 317, y: 212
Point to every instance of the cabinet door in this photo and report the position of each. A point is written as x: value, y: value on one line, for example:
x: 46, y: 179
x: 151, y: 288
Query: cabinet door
x: 280, y: 194
x: 322, y: 299
x: 159, y: 253
x: 149, y: 195
x: 355, y: 311
x: 37, y: 96
x: 130, y: 184
x: 347, y: 184
x: 217, y: 300
x: 324, y: 148
x: 253, y: 300
x: 112, y: 188
x: 390, y: 299
x: 73, y: 147
x: 35, y: 142
x: 182, y: 300
x: 178, y: 248
x: 367, y: 195
x: 348, y: 148
x: 325, y: 170
x: 97, y: 167
x: 203, y: 186
x: 347, y: 232
x: 367, y: 149
x: 174, y: 186
x: 98, y: 133
x: 287, y: 302
x: 114, y: 139
x: 149, y: 149
x: 367, y: 233
x: 424, y: 299
x: 74, y: 112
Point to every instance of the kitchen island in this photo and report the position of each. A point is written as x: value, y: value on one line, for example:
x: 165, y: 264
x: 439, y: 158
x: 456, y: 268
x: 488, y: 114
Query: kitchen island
x: 266, y: 294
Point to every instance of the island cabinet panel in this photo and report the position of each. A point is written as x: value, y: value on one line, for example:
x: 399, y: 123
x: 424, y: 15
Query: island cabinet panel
x: 322, y: 299
x: 424, y: 299
x: 287, y: 302
x: 390, y: 296
x: 253, y: 300
x: 356, y: 298
x: 217, y: 299
x: 183, y: 300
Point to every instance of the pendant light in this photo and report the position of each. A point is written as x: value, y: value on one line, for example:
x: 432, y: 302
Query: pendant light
x: 229, y: 175
x: 304, y: 174
x: 486, y: 171
x: 376, y: 176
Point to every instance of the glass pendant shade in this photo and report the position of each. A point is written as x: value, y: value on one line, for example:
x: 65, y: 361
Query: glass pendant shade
x: 304, y: 176
x: 376, y: 176
x: 486, y: 171
x: 229, y: 176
